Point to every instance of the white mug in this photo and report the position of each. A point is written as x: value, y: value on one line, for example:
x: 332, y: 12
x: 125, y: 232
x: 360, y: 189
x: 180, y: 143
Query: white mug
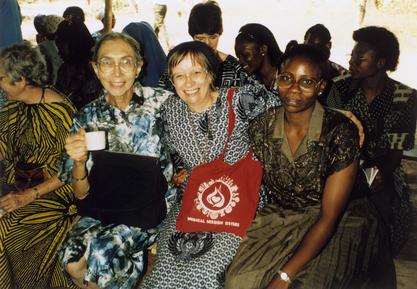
x: 96, y: 140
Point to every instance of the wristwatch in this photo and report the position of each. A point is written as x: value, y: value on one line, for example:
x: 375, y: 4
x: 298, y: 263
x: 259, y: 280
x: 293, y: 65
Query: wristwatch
x: 284, y: 276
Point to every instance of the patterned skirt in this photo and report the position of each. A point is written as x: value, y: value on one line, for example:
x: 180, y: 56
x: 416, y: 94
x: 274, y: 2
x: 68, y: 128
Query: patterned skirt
x: 29, y: 241
x: 114, y: 253
x: 190, y: 260
x: 355, y: 257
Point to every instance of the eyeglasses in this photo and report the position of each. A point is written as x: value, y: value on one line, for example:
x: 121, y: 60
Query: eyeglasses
x: 286, y: 80
x: 195, y: 76
x: 126, y: 65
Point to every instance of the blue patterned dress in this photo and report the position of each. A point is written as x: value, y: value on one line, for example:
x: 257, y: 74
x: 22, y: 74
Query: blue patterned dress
x: 114, y: 252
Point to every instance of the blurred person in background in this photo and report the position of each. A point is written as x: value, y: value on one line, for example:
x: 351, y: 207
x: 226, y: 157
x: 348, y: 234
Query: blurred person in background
x: 76, y: 77
x: 37, y: 208
x: 154, y: 57
x: 46, y: 26
x: 74, y: 14
x: 99, y: 33
x: 11, y: 18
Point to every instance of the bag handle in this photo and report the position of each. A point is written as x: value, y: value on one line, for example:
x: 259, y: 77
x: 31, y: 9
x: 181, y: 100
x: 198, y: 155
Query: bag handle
x: 232, y: 117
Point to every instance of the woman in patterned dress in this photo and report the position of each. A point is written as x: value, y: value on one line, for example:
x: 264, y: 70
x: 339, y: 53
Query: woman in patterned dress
x: 109, y: 254
x: 196, y: 130
x: 33, y: 126
x: 388, y: 111
x: 322, y: 232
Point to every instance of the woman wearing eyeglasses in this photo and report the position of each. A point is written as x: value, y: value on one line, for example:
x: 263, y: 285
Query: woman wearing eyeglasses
x: 121, y: 189
x: 196, y: 129
x: 321, y: 232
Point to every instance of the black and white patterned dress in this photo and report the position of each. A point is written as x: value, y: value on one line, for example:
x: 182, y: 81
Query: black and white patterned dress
x: 199, y: 260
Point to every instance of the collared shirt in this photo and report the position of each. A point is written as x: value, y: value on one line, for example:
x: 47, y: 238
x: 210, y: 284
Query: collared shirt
x: 134, y: 130
x: 297, y: 180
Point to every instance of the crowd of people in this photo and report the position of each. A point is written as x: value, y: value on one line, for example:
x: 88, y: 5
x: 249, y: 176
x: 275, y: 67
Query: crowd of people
x: 247, y: 171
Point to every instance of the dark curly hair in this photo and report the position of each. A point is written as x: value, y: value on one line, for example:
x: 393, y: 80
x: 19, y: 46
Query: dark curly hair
x: 383, y: 42
x: 205, y: 18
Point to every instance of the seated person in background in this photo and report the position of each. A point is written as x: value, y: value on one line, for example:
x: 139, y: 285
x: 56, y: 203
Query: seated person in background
x: 99, y: 33
x: 154, y: 57
x: 205, y: 24
x: 122, y: 189
x: 310, y: 159
x: 76, y: 77
x: 319, y: 35
x: 387, y: 110
x: 46, y: 26
x: 37, y: 209
x: 259, y: 54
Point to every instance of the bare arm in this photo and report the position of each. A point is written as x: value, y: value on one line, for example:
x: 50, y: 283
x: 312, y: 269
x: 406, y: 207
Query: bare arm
x: 76, y: 148
x: 16, y: 200
x: 356, y: 121
x: 335, y: 198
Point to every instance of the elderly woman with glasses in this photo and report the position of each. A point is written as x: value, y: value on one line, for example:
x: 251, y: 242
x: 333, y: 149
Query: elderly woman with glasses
x: 121, y: 189
x: 322, y: 232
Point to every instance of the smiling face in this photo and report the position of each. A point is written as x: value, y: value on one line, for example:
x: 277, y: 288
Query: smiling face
x: 299, y: 84
x: 249, y: 55
x: 117, y: 67
x: 363, y: 62
x: 193, y: 83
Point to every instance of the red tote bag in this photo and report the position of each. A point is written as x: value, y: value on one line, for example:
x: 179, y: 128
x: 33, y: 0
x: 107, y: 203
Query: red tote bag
x: 220, y: 197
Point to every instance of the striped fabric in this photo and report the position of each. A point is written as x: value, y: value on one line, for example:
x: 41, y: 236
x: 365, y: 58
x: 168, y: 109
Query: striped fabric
x: 31, y: 235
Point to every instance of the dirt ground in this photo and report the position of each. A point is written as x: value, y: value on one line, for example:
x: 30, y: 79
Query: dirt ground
x: 287, y: 19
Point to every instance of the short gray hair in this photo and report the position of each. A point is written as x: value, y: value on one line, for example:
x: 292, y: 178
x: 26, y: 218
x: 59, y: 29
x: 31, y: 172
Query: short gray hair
x: 24, y: 61
x: 122, y: 36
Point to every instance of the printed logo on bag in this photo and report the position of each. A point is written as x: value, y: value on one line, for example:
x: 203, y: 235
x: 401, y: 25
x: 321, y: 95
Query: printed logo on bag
x: 217, y: 197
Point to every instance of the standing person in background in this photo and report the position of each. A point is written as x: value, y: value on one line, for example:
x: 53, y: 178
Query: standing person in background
x: 10, y: 20
x: 99, y: 33
x: 259, y: 54
x: 75, y: 76
x: 40, y: 208
x: 160, y: 8
x: 46, y: 26
x: 387, y: 110
x: 154, y: 57
x: 74, y: 14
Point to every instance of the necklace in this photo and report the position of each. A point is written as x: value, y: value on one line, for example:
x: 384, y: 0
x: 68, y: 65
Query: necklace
x: 202, y: 151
